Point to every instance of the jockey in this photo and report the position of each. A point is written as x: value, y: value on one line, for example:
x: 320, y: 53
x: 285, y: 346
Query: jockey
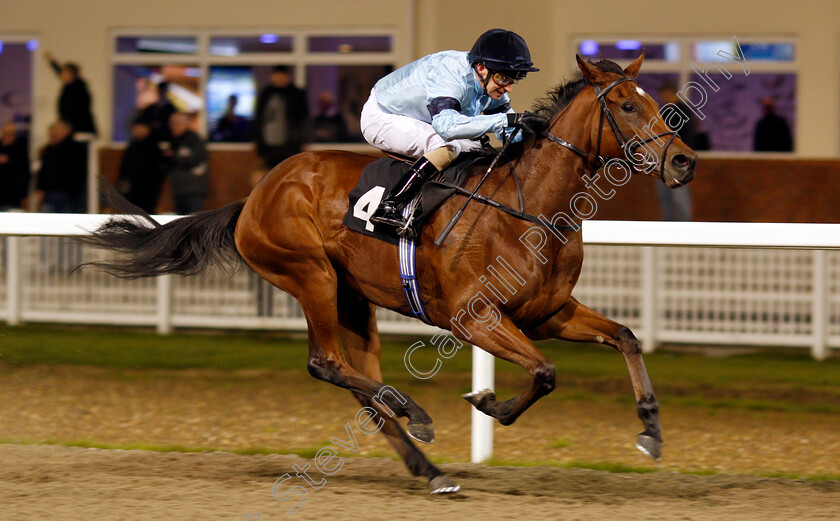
x: 436, y: 107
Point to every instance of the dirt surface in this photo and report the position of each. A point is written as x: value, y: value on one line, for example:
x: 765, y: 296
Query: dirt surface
x: 287, y: 410
x: 48, y: 482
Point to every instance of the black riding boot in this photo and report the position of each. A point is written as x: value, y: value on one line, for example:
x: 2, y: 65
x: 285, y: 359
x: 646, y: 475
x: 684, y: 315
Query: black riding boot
x: 390, y: 210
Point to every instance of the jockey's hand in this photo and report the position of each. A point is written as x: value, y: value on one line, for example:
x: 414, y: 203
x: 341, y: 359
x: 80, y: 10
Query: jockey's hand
x: 530, y: 122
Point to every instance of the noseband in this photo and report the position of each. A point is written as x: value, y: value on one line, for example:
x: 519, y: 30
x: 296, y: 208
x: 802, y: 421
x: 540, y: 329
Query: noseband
x: 620, y: 136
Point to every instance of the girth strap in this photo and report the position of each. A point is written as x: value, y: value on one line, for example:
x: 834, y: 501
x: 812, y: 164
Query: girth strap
x: 408, y: 272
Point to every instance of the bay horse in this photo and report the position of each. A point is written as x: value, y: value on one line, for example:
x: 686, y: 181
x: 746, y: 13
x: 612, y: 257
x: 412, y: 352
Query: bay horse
x: 289, y: 231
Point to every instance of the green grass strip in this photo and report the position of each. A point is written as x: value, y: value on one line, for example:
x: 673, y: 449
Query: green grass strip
x: 309, y: 453
x: 303, y: 452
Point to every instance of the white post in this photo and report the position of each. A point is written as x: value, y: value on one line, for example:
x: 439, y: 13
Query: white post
x: 13, y: 280
x: 164, y: 304
x: 649, y: 309
x: 482, y: 425
x: 819, y: 305
x: 93, y: 175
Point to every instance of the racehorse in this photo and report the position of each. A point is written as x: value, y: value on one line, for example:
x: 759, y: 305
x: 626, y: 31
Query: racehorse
x: 289, y: 231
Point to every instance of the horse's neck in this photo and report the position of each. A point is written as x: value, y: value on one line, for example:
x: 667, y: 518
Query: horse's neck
x: 555, y: 173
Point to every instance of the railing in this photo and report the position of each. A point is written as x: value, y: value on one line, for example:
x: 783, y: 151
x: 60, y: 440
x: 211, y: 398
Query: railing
x: 703, y: 283
x: 732, y: 290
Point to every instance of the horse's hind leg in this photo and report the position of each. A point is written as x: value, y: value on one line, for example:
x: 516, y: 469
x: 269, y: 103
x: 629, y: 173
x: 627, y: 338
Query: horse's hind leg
x: 315, y: 286
x: 360, y: 338
x: 579, y: 323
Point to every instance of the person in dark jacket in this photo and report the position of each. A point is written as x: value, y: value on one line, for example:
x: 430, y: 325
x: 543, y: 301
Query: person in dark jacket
x: 62, y: 179
x: 187, y: 165
x: 74, y: 101
x: 157, y: 114
x: 232, y: 127
x: 328, y: 126
x: 141, y: 168
x: 772, y: 133
x: 281, y: 120
x: 14, y: 168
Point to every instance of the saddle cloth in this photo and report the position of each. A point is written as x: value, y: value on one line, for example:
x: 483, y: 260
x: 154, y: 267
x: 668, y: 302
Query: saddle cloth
x: 379, y: 177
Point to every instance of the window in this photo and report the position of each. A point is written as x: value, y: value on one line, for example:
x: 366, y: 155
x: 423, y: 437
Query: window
x: 739, y: 108
x: 349, y: 44
x: 337, y: 101
x: 258, y: 44
x: 137, y: 88
x: 629, y: 50
x: 157, y: 44
x: 233, y: 89
x: 16, y: 56
x: 211, y: 75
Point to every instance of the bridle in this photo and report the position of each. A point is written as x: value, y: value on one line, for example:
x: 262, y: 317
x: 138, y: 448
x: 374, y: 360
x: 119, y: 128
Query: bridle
x: 597, y: 159
x: 606, y: 114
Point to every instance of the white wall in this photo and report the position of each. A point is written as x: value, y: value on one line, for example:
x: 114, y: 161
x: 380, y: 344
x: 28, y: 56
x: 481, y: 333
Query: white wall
x: 80, y: 31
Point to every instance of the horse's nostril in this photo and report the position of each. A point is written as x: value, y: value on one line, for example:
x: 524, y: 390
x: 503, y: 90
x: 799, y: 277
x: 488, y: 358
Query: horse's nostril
x: 681, y: 161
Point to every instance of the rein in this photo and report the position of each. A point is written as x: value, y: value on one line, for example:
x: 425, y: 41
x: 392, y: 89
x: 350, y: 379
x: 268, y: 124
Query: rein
x: 519, y: 214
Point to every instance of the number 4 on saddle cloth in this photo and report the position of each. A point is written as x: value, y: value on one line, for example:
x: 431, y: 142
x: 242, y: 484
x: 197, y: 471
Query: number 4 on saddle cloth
x: 377, y: 179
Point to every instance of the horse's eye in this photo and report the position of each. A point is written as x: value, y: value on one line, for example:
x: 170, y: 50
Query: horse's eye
x: 628, y: 108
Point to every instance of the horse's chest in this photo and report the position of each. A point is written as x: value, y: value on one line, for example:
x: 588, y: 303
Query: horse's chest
x: 545, y: 287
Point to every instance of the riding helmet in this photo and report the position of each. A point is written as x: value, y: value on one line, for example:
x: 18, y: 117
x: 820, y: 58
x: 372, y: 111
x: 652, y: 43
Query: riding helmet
x: 503, y: 51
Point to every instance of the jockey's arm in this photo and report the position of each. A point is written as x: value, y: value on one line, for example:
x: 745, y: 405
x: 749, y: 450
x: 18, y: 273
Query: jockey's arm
x: 451, y: 124
x: 444, y: 97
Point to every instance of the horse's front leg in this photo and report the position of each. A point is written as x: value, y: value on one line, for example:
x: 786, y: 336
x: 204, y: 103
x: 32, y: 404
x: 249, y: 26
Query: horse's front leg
x: 503, y: 339
x: 579, y: 323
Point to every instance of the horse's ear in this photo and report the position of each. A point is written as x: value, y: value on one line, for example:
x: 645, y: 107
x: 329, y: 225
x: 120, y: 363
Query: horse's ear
x: 632, y: 70
x: 590, y: 72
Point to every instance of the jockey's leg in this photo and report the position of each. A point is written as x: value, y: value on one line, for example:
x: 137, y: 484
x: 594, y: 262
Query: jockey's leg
x: 390, y: 209
x: 410, y: 137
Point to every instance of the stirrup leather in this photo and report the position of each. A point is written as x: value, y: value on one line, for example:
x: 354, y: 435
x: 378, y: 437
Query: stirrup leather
x: 391, y: 211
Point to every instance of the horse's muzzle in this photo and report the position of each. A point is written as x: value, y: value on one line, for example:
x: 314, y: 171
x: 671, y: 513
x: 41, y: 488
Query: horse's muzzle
x: 680, y: 169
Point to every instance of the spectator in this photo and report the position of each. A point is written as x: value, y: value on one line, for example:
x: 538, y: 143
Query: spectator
x: 62, y: 178
x: 157, y: 115
x: 281, y: 117
x: 772, y: 133
x: 675, y: 204
x: 231, y: 127
x: 74, y: 101
x: 328, y: 126
x: 141, y: 168
x: 186, y: 159
x: 146, y: 93
x: 14, y: 168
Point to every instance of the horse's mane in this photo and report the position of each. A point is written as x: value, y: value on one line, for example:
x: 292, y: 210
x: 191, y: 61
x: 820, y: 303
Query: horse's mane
x: 560, y: 96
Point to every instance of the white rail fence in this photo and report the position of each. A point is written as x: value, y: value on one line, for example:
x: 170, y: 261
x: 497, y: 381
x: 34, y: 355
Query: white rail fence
x: 747, y: 284
x: 701, y: 283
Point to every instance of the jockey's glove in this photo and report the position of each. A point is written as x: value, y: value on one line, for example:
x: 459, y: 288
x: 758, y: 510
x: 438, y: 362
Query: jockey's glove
x: 530, y: 122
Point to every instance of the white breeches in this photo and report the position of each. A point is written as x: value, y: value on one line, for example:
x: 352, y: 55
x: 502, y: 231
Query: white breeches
x: 405, y: 135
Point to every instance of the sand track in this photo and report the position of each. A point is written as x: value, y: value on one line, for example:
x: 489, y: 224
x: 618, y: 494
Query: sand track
x: 51, y: 482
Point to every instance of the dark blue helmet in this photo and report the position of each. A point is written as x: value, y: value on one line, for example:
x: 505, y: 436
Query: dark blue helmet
x: 503, y: 51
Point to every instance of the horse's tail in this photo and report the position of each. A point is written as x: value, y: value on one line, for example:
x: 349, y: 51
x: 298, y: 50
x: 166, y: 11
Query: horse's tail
x: 184, y: 246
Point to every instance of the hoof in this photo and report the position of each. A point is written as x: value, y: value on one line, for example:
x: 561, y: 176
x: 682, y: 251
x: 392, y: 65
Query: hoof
x: 650, y: 446
x: 422, y: 432
x: 480, y: 398
x: 443, y: 484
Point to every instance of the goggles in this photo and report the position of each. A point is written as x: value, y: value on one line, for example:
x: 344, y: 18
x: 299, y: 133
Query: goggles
x: 503, y: 80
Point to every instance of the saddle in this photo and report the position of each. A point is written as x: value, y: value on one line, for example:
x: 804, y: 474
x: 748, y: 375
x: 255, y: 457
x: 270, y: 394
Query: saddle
x: 379, y: 177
